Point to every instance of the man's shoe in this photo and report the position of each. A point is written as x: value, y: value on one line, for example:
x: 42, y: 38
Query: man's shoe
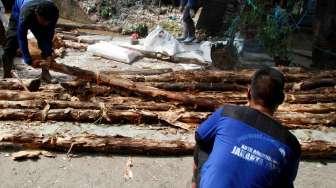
x: 180, y: 39
x: 189, y: 40
x: 7, y: 72
x: 7, y: 67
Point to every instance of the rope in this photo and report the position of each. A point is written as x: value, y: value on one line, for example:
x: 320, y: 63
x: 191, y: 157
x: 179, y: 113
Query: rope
x: 44, y: 112
x: 103, y: 113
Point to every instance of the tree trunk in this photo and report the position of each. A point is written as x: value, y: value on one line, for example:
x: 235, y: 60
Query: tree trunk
x: 313, y: 84
x: 78, y: 115
x: 75, y: 45
x: 303, y: 119
x: 318, y: 149
x: 23, y: 95
x: 310, y: 98
x: 10, y: 85
x: 75, y: 39
x: 103, y: 144
x: 139, y: 72
x: 319, y: 108
x: 69, y: 26
x: 241, y: 76
x: 127, y: 145
x: 151, y: 106
x: 183, y: 86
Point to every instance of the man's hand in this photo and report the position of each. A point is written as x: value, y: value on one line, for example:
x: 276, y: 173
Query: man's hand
x: 36, y: 63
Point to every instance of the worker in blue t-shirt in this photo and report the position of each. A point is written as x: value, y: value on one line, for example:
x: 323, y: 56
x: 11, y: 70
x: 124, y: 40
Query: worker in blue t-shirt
x: 39, y: 16
x: 244, y: 147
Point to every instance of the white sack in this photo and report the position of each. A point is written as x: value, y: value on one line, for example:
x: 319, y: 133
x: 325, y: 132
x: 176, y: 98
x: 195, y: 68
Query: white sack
x: 206, y: 51
x: 114, y: 52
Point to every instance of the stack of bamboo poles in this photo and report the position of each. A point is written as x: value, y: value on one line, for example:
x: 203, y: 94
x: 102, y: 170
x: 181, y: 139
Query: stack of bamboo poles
x: 177, y: 99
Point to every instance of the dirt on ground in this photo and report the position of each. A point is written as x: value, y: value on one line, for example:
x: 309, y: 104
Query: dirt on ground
x: 87, y: 171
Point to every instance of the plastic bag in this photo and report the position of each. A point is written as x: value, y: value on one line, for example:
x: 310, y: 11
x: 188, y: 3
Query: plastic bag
x: 160, y: 41
x: 2, y: 15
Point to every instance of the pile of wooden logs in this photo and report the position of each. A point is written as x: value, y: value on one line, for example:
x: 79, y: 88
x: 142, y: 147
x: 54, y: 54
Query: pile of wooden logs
x: 180, y: 100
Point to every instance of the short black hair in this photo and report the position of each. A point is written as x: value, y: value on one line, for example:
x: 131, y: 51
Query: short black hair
x: 267, y: 87
x: 48, y: 10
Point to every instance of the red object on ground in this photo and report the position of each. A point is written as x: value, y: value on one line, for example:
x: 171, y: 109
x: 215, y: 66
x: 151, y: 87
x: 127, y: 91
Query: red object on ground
x: 135, y: 38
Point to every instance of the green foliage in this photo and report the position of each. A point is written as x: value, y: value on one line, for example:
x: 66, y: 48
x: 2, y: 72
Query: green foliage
x: 171, y: 26
x: 276, y: 39
x: 141, y: 29
x: 257, y: 20
x: 106, y: 9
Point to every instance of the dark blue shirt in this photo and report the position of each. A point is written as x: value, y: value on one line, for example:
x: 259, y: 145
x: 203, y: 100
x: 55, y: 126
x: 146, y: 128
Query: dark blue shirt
x: 243, y: 155
x: 23, y: 12
x: 190, y: 3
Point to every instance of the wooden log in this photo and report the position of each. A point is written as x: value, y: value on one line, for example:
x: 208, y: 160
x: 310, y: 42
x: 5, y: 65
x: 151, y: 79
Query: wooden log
x: 130, y: 86
x: 318, y: 108
x: 70, y: 26
x: 144, y: 72
x: 328, y: 119
x: 310, y: 98
x: 317, y: 149
x: 76, y: 115
x: 292, y: 120
x: 291, y: 98
x: 211, y: 76
x: 198, y: 76
x: 26, y: 104
x: 10, y: 85
x: 104, y: 115
x: 151, y: 106
x: 71, y: 33
x: 182, y: 86
x: 126, y: 145
x: 13, y: 84
x: 313, y: 84
x: 76, y: 39
x: 104, y: 144
x: 290, y: 115
x: 85, y: 89
x: 23, y: 95
x: 75, y: 45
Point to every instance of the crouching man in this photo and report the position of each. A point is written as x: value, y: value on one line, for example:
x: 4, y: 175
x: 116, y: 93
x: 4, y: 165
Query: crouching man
x: 39, y: 16
x: 245, y: 147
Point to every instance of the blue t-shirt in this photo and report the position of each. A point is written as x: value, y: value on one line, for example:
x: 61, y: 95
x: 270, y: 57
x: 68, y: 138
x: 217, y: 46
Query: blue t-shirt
x: 23, y: 13
x: 244, y: 156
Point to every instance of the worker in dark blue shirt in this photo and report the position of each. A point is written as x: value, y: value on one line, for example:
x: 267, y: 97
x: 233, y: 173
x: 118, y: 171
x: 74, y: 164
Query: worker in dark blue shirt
x: 38, y: 16
x: 243, y: 146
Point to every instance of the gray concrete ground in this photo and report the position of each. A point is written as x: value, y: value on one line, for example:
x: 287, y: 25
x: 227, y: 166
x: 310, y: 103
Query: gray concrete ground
x: 148, y: 172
